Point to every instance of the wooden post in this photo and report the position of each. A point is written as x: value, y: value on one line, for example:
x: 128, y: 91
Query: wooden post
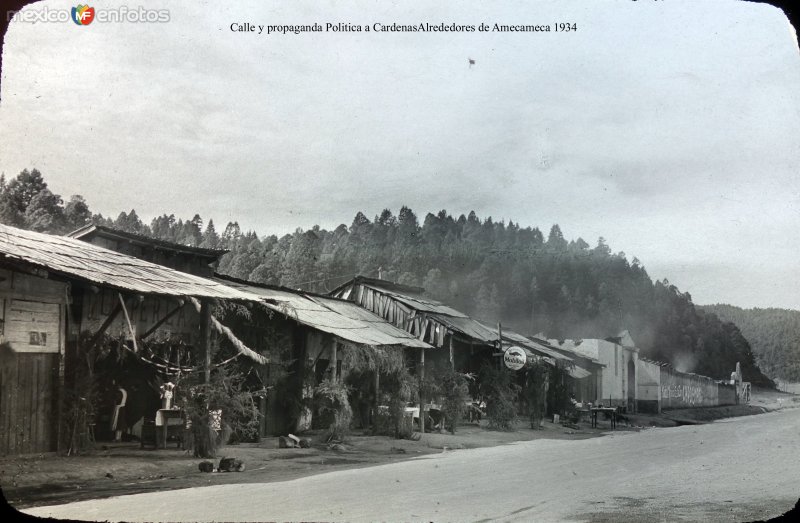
x: 421, y: 394
x: 262, y: 423
x: 376, y: 401
x: 205, y: 338
x: 500, y: 342
x: 131, y: 329
x: 452, y: 355
x: 60, y: 383
x: 333, y: 361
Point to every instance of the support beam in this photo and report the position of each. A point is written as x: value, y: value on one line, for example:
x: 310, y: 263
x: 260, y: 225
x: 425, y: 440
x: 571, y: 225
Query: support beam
x: 128, y: 321
x: 421, y: 388
x: 62, y: 351
x: 225, y: 331
x: 334, y: 367
x: 161, y: 322
x: 106, y: 324
x: 376, y: 401
x: 452, y: 355
x: 205, y: 339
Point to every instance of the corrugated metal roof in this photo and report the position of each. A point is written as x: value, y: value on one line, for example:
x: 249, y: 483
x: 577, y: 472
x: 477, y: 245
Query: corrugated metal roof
x: 573, y: 369
x: 459, y: 322
x: 338, y: 317
x: 92, y: 229
x: 417, y: 301
x: 534, y: 346
x: 587, y: 348
x: 654, y: 362
x: 468, y: 327
x: 84, y: 261
x: 572, y: 353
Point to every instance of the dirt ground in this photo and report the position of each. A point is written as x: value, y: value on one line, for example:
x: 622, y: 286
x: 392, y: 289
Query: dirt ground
x: 117, y: 469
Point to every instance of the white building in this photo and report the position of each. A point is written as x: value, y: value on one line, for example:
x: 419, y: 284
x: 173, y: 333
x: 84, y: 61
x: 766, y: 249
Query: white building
x: 617, y: 383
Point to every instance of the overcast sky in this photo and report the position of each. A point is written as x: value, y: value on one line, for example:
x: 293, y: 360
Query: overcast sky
x: 670, y: 128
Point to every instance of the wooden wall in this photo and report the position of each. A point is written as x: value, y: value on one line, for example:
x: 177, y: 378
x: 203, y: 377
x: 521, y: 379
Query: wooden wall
x: 95, y: 308
x: 28, y: 413
x: 32, y: 329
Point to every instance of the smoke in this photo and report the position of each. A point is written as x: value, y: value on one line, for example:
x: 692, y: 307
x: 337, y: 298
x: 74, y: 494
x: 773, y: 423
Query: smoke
x: 684, y: 362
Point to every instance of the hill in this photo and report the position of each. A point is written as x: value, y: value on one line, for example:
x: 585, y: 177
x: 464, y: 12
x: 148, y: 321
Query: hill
x: 774, y: 335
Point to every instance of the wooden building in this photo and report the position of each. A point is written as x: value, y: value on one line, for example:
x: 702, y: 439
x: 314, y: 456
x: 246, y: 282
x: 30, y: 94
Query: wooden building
x: 318, y: 330
x: 55, y: 289
x: 315, y: 330
x: 466, y: 340
x: 468, y: 343
x: 184, y: 258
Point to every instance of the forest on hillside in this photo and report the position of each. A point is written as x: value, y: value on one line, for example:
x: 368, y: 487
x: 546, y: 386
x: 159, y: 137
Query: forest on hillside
x: 774, y: 335
x: 493, y: 270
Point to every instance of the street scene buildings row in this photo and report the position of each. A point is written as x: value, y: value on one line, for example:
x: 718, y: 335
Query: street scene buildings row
x: 163, y: 303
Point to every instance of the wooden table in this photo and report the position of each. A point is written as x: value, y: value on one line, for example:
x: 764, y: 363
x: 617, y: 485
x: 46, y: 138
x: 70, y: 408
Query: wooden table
x: 583, y: 412
x: 608, y: 410
x: 165, y: 418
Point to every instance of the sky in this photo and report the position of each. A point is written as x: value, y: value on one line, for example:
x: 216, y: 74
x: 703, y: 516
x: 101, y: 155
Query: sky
x: 672, y: 129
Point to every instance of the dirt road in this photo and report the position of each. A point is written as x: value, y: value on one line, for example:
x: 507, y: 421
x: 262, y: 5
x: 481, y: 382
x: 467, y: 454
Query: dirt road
x: 740, y: 469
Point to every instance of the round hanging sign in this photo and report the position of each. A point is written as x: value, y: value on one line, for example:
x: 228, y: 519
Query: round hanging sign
x: 514, y: 358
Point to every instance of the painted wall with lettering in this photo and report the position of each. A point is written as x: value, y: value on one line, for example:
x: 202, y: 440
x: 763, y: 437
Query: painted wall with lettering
x: 680, y: 390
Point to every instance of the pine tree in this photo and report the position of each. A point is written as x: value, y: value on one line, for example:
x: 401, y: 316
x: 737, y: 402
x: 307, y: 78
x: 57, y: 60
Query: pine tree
x: 76, y: 212
x: 210, y: 239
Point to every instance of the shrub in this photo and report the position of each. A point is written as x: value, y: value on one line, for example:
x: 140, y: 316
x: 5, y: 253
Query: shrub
x: 499, y: 393
x: 534, y: 392
x: 558, y: 392
x: 397, y: 389
x: 454, y: 391
x: 80, y: 395
x: 225, y: 392
x: 332, y: 402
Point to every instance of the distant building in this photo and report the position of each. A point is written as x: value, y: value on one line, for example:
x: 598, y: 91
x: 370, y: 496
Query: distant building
x: 619, y: 355
x: 468, y: 341
x: 184, y: 258
x: 662, y: 387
